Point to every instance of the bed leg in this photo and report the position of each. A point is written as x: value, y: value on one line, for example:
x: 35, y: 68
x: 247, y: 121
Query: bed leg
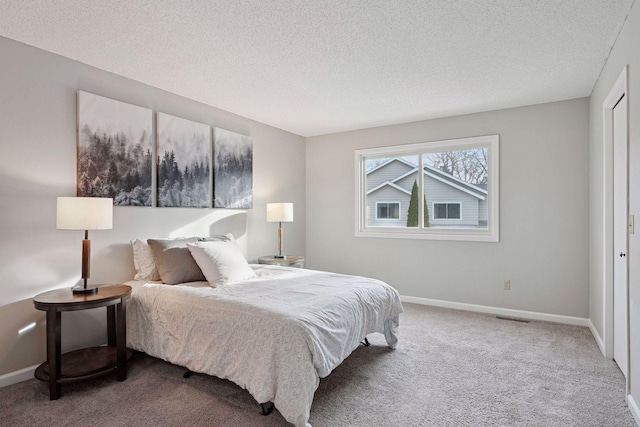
x: 187, y: 374
x: 366, y: 342
x: 267, y: 408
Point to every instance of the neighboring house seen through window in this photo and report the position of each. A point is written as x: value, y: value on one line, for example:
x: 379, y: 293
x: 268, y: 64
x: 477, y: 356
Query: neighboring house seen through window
x: 387, y: 210
x: 444, y: 190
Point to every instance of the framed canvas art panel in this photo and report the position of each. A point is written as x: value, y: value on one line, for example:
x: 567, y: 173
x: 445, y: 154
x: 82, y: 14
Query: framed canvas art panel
x: 233, y: 170
x: 184, y: 172
x: 114, y: 150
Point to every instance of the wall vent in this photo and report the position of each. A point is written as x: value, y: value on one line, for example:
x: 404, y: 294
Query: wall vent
x: 513, y: 319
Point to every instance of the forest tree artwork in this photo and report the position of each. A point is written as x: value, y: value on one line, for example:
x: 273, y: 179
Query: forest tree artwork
x: 233, y: 170
x: 114, y: 150
x: 184, y: 173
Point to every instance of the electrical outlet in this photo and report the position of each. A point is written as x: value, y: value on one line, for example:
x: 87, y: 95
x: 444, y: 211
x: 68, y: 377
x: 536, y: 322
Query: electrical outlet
x: 507, y: 285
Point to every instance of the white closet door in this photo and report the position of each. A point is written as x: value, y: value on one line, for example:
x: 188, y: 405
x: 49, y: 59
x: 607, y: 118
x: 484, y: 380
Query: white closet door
x: 620, y: 234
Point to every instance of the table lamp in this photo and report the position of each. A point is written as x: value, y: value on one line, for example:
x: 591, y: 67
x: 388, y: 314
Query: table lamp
x: 84, y: 213
x: 280, y: 212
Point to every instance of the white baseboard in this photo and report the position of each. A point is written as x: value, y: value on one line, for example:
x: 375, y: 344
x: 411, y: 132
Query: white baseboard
x: 521, y: 314
x: 17, y: 376
x: 633, y: 408
x: 597, y: 337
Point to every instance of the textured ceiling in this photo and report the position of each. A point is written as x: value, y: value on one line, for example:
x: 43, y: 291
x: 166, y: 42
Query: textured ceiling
x: 321, y: 66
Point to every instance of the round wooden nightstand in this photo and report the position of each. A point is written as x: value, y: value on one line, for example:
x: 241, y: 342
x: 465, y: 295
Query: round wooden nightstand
x: 88, y: 362
x: 290, y: 261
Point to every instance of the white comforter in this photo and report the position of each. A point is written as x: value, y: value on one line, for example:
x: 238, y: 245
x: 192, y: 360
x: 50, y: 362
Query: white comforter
x: 275, y: 335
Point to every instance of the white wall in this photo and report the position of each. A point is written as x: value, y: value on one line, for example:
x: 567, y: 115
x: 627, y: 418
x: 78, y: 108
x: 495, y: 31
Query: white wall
x: 38, y: 162
x: 544, y: 218
x: 624, y: 52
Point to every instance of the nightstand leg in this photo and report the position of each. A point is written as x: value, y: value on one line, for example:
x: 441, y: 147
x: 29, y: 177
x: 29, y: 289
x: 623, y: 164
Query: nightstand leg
x: 121, y: 339
x: 111, y: 325
x: 53, y: 352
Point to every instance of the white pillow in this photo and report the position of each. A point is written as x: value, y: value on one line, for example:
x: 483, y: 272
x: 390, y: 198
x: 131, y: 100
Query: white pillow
x: 143, y: 261
x: 221, y: 262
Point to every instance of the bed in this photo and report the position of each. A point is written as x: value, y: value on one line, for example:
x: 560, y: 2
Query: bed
x: 275, y: 334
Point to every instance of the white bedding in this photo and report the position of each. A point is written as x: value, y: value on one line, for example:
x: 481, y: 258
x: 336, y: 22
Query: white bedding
x: 275, y: 335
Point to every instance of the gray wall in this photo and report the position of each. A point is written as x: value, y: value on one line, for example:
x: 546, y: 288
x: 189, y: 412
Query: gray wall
x: 544, y: 219
x: 624, y: 52
x: 38, y: 163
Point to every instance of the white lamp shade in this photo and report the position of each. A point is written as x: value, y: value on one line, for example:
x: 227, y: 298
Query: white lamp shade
x: 279, y: 212
x: 84, y: 213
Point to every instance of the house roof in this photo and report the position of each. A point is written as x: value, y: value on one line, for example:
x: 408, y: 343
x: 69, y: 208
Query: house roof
x: 474, y: 190
x: 391, y: 160
x: 390, y: 184
x: 478, y: 191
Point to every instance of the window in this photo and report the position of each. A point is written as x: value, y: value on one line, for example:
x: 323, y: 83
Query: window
x: 446, y: 210
x: 390, y: 210
x: 443, y: 190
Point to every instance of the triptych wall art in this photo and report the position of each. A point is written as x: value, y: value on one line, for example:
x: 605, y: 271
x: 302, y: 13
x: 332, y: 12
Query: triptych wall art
x: 114, y: 150
x: 116, y: 154
x: 233, y: 166
x: 184, y: 174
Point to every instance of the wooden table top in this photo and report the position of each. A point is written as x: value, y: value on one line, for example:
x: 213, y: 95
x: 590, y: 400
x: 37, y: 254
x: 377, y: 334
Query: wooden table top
x: 64, y: 297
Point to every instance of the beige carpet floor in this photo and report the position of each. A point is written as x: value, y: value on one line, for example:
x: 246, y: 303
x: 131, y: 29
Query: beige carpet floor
x: 451, y: 368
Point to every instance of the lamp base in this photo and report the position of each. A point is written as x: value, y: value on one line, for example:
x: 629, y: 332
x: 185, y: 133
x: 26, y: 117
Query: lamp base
x: 81, y: 290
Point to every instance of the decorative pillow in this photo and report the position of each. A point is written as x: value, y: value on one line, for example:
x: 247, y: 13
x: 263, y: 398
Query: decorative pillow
x: 174, y: 261
x: 143, y: 261
x: 221, y: 262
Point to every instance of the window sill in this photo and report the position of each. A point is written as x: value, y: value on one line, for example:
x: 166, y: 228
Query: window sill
x: 444, y: 234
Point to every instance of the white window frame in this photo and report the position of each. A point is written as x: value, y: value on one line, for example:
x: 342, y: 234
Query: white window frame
x: 433, y: 211
x: 490, y: 234
x: 389, y: 219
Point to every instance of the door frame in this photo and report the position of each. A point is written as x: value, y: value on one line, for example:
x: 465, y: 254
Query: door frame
x: 617, y: 91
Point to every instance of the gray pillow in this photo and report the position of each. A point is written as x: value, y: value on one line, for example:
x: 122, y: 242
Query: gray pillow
x: 174, y: 261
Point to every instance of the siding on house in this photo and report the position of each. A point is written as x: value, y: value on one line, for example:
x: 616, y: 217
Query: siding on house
x: 387, y: 194
x: 483, y: 211
x: 439, y: 192
x: 388, y: 172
